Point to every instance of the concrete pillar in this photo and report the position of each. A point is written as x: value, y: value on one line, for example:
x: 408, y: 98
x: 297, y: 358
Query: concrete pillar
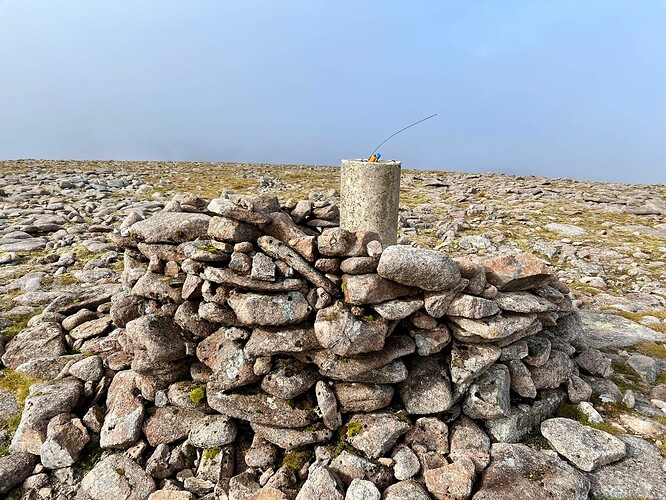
x: 369, y: 197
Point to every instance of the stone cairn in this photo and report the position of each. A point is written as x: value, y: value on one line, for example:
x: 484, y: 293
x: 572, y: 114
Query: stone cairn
x: 259, y: 351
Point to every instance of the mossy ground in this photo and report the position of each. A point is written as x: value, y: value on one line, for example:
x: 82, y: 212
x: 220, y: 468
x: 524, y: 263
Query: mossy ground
x: 18, y: 384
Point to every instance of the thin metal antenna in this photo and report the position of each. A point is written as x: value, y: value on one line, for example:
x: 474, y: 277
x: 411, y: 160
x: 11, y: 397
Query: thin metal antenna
x: 401, y: 130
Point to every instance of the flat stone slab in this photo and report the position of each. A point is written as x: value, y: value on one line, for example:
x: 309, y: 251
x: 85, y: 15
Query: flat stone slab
x: 606, y: 330
x: 517, y: 471
x: 587, y: 448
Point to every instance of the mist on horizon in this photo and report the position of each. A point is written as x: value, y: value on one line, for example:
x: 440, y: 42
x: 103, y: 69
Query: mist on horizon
x: 558, y: 89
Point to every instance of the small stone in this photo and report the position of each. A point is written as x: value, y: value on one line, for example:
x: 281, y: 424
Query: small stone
x: 328, y: 405
x: 427, y: 389
x: 451, y: 482
x: 469, y: 306
x: 372, y: 289
x: 594, y: 362
x: 340, y: 331
x: 398, y: 309
x: 322, y: 483
x: 358, y: 265
x: 263, y: 267
x: 538, y: 350
x: 429, y: 433
x: 232, y: 231
x: 117, y: 477
x: 489, y: 397
x: 349, y: 466
x: 88, y: 369
x: 211, y: 431
x: 66, y: 436
x: 468, y: 440
x: 406, y: 465
x: 405, y: 490
x: 362, y: 397
x: 376, y: 433
x: 14, y: 469
x: 360, y: 489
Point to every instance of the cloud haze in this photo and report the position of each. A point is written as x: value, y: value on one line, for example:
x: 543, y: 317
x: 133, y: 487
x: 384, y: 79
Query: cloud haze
x: 562, y: 89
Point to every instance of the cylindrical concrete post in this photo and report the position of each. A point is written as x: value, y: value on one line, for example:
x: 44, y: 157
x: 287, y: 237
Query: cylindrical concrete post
x: 369, y: 197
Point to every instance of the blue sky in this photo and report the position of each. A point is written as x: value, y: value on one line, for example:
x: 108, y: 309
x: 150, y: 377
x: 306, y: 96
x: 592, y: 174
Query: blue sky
x: 561, y: 89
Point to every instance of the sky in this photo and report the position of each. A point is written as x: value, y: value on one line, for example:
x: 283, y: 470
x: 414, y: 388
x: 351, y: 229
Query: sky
x: 571, y: 89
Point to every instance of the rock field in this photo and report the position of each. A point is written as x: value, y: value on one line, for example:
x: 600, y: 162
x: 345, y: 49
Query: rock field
x: 196, y: 330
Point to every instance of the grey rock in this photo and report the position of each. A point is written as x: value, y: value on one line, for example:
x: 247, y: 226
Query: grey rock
x: 337, y: 242
x: 156, y: 337
x: 169, y: 424
x: 406, y: 463
x: 578, y: 390
x: 232, y: 231
x: 429, y: 342
x: 604, y: 330
x: 523, y: 302
x: 587, y: 448
x: 278, y: 250
x: 374, y: 434
x: 211, y: 431
x: 470, y: 306
x: 90, y: 329
x: 14, y: 469
x: 88, y: 369
x: 289, y: 439
x: 328, y: 405
x: 594, y: 362
x: 125, y: 412
x: 538, y: 348
x: 45, y: 400
x: 554, y: 372
x: 644, y: 366
x: 289, y: 378
x: 488, y: 397
x: 403, y: 490
x: 322, y: 483
x: 437, y: 303
x: 157, y: 287
x: 228, y: 277
x: 521, y: 380
x: 267, y: 341
x: 344, y: 334
x: 350, y: 466
x: 171, y: 227
x: 362, y: 397
x: 231, y: 365
x: 125, y: 307
x: 517, y: 471
x: 360, y: 489
x: 468, y: 440
x: 65, y: 438
x: 525, y: 418
x: 45, y: 340
x: 365, y: 289
x: 117, y: 477
x: 260, y: 408
x: 398, y: 309
x: 78, y: 318
x: 263, y: 267
x: 274, y: 310
x: 640, y: 475
x: 517, y: 350
x: 360, y: 368
x: 470, y: 361
x: 451, y: 482
x: 358, y: 265
x: 565, y: 229
x: 227, y: 208
x: 427, y: 389
x: 429, y: 433
x: 492, y: 328
x: 187, y: 317
x: 414, y: 267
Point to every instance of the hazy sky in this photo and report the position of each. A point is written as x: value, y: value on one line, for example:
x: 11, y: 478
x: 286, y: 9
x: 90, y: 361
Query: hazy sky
x: 556, y: 88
